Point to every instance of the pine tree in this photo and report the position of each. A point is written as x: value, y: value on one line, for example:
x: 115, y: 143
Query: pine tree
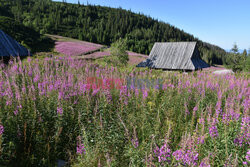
x: 235, y: 48
x: 244, y: 52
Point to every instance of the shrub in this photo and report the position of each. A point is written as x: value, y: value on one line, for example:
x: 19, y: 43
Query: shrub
x: 118, y: 52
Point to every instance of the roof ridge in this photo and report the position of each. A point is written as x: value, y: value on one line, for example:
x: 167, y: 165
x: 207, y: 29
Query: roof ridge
x: 178, y: 42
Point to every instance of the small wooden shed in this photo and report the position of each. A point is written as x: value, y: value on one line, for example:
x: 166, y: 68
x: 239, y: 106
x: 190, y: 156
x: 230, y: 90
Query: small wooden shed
x: 174, y: 56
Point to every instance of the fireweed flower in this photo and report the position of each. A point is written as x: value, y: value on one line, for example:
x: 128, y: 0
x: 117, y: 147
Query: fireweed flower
x: 8, y: 102
x: 163, y: 154
x: 186, y: 108
x: 187, y: 153
x: 108, y: 95
x: 178, y: 155
x: 15, y: 112
x: 218, y: 108
x: 247, y: 158
x: 36, y: 78
x: 136, y: 92
x: 187, y: 157
x: 29, y: 59
x: 80, y: 149
x: 145, y: 93
x: 244, y: 136
x: 205, y: 163
x: 239, y: 141
x: 95, y: 91
x: 59, y: 110
x: 246, y: 105
x: 1, y: 129
x: 213, y: 129
x: 201, y: 140
x: 245, y: 122
x: 195, y: 109
x: 202, y: 121
x: 134, y: 140
x: 124, y: 95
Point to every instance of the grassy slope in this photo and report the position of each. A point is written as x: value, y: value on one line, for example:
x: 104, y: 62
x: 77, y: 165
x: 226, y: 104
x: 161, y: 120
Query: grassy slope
x: 101, y: 54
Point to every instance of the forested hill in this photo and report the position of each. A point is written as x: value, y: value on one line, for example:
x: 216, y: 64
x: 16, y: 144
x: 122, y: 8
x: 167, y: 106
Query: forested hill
x: 102, y: 25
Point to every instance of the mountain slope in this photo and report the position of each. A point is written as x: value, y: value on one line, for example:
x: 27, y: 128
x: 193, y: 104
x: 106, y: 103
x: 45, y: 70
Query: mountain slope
x: 102, y: 25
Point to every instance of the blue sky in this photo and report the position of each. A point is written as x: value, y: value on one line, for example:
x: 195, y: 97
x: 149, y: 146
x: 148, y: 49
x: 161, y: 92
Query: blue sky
x: 219, y: 22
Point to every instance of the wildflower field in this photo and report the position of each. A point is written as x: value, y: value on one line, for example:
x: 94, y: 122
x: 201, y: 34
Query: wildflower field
x: 53, y: 109
x: 87, y: 50
x: 76, y: 48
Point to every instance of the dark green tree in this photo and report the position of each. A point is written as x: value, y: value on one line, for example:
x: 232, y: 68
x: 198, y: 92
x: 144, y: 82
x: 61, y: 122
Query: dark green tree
x: 244, y: 52
x: 237, y: 61
x: 235, y: 48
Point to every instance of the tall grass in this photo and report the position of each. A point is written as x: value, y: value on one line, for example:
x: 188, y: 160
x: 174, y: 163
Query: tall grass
x: 49, y: 111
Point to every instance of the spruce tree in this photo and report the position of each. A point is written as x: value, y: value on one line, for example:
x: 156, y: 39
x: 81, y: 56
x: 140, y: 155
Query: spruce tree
x: 244, y: 52
x: 235, y: 48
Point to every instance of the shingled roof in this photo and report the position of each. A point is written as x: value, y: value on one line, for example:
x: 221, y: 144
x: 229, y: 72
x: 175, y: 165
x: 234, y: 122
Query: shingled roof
x: 174, y: 56
x: 10, y: 47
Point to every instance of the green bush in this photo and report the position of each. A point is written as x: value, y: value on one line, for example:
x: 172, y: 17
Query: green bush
x: 118, y: 52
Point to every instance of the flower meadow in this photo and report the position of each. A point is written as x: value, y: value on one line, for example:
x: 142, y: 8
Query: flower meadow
x: 49, y: 111
x: 70, y: 48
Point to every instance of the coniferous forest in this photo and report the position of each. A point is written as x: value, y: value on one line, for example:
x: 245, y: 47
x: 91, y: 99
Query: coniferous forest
x: 102, y: 25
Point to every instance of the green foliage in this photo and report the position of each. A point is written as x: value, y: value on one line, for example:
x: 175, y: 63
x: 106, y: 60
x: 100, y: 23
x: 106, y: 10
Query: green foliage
x: 238, y: 62
x: 247, y: 64
x: 118, y: 52
x: 102, y: 25
x: 244, y: 52
x: 235, y: 48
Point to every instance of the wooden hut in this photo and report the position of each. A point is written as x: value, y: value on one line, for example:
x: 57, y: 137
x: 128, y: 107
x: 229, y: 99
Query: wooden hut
x: 174, y: 56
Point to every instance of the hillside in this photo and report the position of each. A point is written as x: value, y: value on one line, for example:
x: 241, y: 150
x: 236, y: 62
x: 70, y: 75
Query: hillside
x: 102, y: 25
x: 27, y: 36
x: 68, y: 47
